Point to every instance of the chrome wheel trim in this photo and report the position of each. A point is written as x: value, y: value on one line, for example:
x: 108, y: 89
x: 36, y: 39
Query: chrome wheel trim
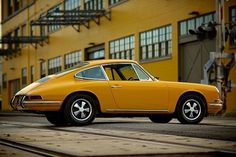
x: 191, y: 109
x: 81, y: 109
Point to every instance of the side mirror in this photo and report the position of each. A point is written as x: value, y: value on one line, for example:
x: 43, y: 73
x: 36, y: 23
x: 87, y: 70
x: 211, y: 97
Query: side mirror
x: 158, y: 78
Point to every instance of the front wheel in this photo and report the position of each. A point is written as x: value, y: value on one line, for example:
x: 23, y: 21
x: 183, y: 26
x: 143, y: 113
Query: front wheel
x: 80, y: 109
x: 191, y: 109
x: 161, y: 118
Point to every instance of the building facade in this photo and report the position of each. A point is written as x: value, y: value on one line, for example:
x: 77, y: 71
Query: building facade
x: 152, y: 32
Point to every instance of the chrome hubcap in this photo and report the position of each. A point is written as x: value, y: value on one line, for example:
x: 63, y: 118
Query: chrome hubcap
x: 81, y: 109
x: 191, y: 109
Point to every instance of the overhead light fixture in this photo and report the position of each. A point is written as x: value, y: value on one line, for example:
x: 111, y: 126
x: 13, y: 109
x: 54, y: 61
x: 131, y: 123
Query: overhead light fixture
x: 92, y: 43
x: 195, y: 13
x: 41, y: 60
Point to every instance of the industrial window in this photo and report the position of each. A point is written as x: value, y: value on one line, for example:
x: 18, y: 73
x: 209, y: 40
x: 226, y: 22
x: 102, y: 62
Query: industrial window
x: 233, y: 20
x: 122, y: 48
x: 94, y: 53
x: 156, y: 43
x: 42, y: 69
x: 24, y: 77
x: 32, y: 72
x: 17, y: 4
x: 111, y: 2
x: 52, y: 11
x: 24, y: 32
x: 72, y: 59
x: 194, y: 23
x: 43, y: 27
x: 4, y: 81
x: 93, y: 4
x: 17, y: 34
x: 72, y: 4
x: 54, y: 65
x: 10, y: 7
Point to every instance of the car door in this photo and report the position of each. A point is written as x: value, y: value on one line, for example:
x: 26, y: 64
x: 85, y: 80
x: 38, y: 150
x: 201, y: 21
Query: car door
x: 134, y: 90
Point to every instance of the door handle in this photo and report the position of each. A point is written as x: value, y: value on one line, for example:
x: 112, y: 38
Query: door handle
x: 116, y: 86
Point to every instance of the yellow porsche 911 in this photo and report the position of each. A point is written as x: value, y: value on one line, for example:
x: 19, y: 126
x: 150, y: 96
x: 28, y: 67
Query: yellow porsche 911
x: 115, y: 88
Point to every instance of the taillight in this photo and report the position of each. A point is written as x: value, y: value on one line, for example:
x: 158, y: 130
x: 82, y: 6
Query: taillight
x: 33, y: 97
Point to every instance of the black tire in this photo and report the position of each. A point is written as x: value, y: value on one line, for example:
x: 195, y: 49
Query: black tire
x: 191, y: 109
x: 56, y: 118
x: 161, y: 118
x: 80, y: 109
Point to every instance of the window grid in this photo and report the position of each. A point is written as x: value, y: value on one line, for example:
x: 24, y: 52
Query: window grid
x: 194, y: 23
x: 54, y: 65
x: 42, y: 69
x: 71, y: 4
x: 32, y: 72
x: 53, y: 28
x: 93, y: 4
x: 72, y: 59
x: 233, y: 20
x: 24, y: 77
x: 111, y: 2
x: 4, y: 81
x: 122, y: 48
x: 98, y: 54
x: 156, y: 43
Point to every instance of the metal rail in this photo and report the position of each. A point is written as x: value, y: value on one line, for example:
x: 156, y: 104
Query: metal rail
x: 214, y: 152
x: 32, y: 149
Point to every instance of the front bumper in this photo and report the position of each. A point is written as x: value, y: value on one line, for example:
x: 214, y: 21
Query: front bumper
x: 215, y: 107
x: 20, y: 103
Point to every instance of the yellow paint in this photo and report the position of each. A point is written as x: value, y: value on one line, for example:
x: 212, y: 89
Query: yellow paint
x: 130, y: 95
x: 128, y: 18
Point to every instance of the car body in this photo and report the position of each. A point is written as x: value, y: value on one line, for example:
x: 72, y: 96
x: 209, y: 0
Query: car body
x: 115, y: 88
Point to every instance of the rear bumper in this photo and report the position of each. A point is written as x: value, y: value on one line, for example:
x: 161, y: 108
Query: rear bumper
x: 18, y: 103
x: 215, y: 107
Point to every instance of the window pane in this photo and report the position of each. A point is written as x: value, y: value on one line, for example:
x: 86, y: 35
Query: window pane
x: 92, y: 73
x: 142, y: 75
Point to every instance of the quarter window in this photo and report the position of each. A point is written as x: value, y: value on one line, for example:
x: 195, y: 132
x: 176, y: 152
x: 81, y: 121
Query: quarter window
x: 94, y: 73
x: 142, y: 75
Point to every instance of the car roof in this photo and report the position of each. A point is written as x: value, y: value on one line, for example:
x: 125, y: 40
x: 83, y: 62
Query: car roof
x: 109, y: 61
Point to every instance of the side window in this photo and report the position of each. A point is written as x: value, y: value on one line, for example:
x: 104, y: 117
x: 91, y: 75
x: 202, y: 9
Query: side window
x: 94, y: 73
x: 142, y: 75
x: 123, y: 72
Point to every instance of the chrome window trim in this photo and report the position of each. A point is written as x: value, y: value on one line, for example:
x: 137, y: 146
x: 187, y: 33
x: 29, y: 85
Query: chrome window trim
x: 136, y: 110
x: 149, y: 75
x: 149, y: 78
x: 87, y: 78
x: 42, y: 102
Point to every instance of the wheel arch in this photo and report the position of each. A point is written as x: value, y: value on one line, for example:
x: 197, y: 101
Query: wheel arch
x: 85, y: 93
x: 193, y: 93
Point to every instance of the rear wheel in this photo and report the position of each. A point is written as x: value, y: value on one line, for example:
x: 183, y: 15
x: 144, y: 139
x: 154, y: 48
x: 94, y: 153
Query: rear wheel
x: 161, y: 118
x: 56, y: 118
x: 191, y: 109
x: 80, y: 109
